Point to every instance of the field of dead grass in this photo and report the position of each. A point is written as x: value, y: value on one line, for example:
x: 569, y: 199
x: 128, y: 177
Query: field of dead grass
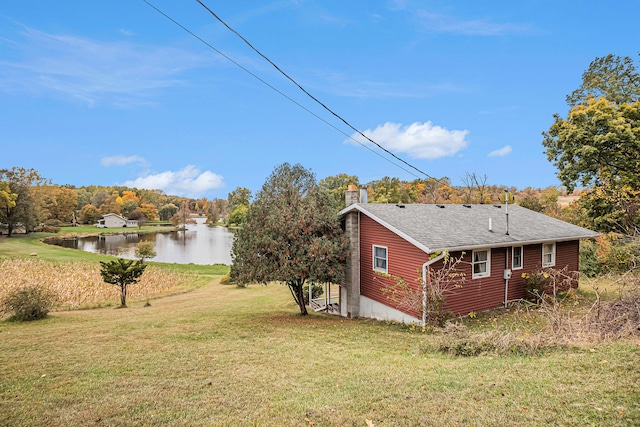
x: 79, y: 284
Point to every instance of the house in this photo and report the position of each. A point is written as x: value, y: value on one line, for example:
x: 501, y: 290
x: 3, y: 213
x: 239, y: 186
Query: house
x: 497, y: 244
x: 112, y: 220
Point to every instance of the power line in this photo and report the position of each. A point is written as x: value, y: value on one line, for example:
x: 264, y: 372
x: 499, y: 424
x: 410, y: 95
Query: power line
x: 288, y: 97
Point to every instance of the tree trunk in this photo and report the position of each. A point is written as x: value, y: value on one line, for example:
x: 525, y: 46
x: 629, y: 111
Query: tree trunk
x: 298, y: 295
x: 123, y: 295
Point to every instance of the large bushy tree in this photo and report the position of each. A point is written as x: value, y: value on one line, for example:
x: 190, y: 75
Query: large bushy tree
x: 291, y: 235
x: 18, y: 207
x: 598, y: 144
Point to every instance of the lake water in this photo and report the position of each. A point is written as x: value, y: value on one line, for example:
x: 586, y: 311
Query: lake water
x: 199, y: 244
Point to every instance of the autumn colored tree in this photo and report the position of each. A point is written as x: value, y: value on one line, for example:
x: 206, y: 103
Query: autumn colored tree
x: 241, y: 196
x: 292, y: 235
x: 598, y: 144
x: 18, y: 206
x: 89, y: 214
x: 111, y: 204
x: 336, y: 186
x: 183, y: 217
x: 149, y: 210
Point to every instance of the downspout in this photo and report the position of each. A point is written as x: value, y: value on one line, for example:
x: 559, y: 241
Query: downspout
x: 426, y: 282
x: 506, y: 276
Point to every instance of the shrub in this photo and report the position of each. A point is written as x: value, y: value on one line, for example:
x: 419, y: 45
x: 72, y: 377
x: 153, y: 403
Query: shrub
x: 47, y: 229
x: 29, y: 303
x: 498, y: 341
x: 225, y: 280
x: 53, y: 223
x: 589, y: 264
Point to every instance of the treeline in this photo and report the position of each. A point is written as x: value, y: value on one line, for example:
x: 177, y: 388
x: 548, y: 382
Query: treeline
x: 30, y: 202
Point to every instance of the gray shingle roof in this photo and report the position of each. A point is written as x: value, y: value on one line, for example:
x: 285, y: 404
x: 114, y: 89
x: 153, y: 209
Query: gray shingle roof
x: 460, y: 227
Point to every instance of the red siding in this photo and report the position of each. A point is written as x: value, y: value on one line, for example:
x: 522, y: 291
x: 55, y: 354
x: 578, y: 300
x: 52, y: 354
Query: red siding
x: 405, y: 260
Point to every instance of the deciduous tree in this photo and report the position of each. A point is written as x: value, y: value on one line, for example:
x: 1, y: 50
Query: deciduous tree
x: 21, y: 210
x: 292, y: 235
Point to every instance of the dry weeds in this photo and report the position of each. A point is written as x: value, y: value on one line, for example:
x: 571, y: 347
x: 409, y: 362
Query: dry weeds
x: 79, y: 284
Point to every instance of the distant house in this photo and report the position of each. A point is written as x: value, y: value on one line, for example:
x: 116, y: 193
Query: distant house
x: 496, y: 242
x: 112, y: 220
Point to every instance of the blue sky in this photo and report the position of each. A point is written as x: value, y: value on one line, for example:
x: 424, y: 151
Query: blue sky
x: 114, y: 93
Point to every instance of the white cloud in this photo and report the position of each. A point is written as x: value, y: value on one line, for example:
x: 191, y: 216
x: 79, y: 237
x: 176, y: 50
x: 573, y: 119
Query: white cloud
x: 501, y: 152
x: 187, y: 182
x: 92, y: 71
x: 418, y: 140
x: 122, y: 160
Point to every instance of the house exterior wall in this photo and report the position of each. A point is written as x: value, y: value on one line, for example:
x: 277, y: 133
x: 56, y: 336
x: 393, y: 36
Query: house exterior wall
x: 113, y: 221
x: 405, y: 260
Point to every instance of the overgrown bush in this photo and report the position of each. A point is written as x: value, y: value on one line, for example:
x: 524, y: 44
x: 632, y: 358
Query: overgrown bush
x: 457, y: 340
x: 617, y: 253
x: 589, y: 263
x: 549, y: 283
x: 47, y: 229
x: 53, y: 223
x: 29, y: 303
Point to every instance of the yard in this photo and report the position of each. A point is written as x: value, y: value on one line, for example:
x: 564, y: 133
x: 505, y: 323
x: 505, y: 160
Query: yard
x: 228, y: 356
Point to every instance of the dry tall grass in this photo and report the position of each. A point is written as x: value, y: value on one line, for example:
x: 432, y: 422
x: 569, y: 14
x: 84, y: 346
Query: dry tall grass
x: 79, y: 284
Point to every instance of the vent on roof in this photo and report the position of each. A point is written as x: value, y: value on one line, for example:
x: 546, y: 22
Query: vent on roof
x: 497, y: 206
x: 440, y: 206
x: 400, y: 206
x: 467, y: 206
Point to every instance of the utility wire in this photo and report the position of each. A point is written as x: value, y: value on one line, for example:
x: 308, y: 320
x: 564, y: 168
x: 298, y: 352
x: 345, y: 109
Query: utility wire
x: 310, y: 95
x: 277, y: 90
x: 288, y: 97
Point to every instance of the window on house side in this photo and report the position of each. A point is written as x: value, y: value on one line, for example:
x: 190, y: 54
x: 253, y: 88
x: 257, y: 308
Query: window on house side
x: 481, y: 264
x: 548, y: 254
x: 380, y: 259
x: 516, y: 260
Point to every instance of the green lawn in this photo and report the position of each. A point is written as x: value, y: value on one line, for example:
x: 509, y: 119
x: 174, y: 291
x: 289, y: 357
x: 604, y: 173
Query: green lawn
x: 228, y: 356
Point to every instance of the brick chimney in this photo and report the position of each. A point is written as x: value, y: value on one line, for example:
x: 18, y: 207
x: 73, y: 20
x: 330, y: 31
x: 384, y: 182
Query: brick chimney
x: 352, y: 229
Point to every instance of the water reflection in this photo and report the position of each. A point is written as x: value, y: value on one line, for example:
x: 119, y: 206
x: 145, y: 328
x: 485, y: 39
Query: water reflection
x: 199, y: 244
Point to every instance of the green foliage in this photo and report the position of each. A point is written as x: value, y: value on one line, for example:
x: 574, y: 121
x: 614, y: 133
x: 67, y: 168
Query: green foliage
x: 238, y: 215
x: 291, y: 235
x: 17, y: 205
x: 316, y: 291
x: 589, y: 264
x: 122, y: 273
x: 336, y: 187
x: 535, y: 284
x: 241, y: 196
x: 145, y: 250
x: 618, y: 254
x: 167, y: 211
x: 586, y: 146
x: 611, y: 77
x: 29, y: 303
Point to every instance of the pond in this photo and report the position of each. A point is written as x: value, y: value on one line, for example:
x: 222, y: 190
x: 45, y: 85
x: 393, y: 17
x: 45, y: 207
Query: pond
x: 199, y: 244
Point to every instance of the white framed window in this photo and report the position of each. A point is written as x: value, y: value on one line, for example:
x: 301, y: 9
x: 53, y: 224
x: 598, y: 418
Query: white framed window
x: 380, y: 259
x: 481, y: 263
x: 548, y: 254
x: 516, y: 258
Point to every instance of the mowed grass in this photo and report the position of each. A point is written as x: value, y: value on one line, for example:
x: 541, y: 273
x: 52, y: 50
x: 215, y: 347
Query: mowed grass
x: 228, y: 356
